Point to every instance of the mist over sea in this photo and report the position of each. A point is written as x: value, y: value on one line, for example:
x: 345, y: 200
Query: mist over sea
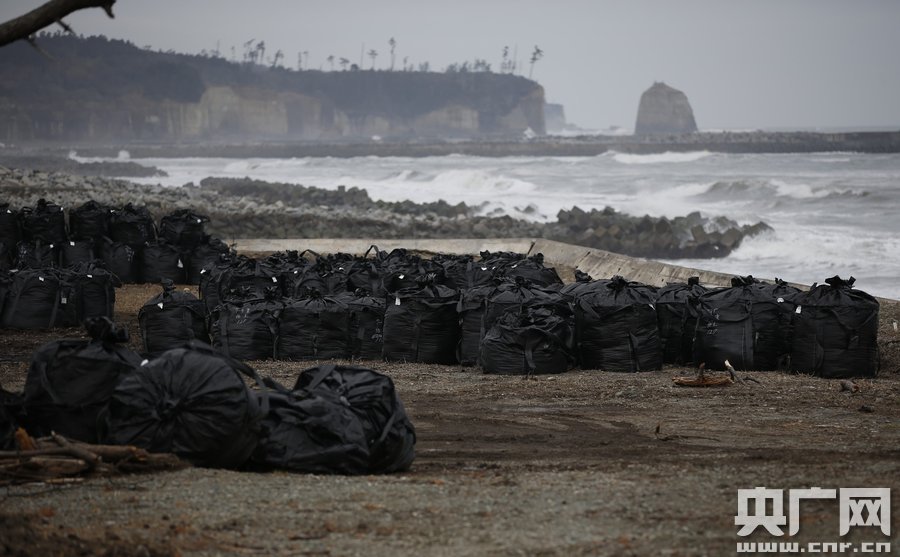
x: 832, y: 213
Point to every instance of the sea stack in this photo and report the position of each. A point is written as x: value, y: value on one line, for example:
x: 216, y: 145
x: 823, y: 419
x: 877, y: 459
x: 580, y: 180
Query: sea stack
x: 664, y: 110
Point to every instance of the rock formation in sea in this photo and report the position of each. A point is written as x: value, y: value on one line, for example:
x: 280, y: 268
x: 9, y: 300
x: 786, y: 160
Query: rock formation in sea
x: 664, y: 110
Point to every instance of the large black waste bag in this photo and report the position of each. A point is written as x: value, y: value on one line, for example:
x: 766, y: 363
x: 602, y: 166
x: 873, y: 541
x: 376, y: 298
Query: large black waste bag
x: 89, y: 221
x: 583, y: 282
x: 533, y: 269
x: 33, y: 300
x: 372, y: 397
x: 246, y: 328
x: 170, y: 319
x: 36, y: 254
x: 512, y: 294
x: 183, y: 228
x: 7, y: 256
x: 67, y: 313
x: 131, y: 225
x: 836, y: 331
x: 161, y: 261
x: 70, y: 382
x: 616, y: 328
x: 204, y: 257
x: 420, y: 324
x: 746, y: 324
x: 471, y: 309
x: 366, y: 328
x: 46, y: 222
x: 365, y: 274
x: 677, y: 318
x: 6, y: 278
x: 532, y: 340
x: 122, y: 260
x: 74, y: 252
x: 316, y: 433
x: 323, y: 276
x: 456, y: 270
x: 94, y: 290
x: 193, y: 402
x: 10, y: 231
x: 313, y: 328
x: 10, y: 416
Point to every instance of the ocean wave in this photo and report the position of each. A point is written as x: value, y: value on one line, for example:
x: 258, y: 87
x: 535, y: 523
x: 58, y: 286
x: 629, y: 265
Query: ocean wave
x: 658, y: 158
x: 759, y: 189
x: 480, y: 183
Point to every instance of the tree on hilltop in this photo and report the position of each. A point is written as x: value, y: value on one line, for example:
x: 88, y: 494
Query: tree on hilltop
x: 535, y: 56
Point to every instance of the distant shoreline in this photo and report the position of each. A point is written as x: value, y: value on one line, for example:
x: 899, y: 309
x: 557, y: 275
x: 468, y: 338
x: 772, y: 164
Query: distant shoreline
x: 581, y: 146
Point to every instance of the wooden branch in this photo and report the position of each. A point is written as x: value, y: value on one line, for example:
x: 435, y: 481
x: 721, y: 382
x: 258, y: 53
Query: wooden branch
x: 46, y: 15
x: 53, y: 457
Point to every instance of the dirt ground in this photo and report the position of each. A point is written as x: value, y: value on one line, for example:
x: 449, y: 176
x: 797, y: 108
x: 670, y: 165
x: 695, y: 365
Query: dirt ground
x: 583, y: 463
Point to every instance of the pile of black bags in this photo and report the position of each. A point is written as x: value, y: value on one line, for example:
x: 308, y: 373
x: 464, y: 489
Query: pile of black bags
x: 210, y: 409
x: 56, y: 275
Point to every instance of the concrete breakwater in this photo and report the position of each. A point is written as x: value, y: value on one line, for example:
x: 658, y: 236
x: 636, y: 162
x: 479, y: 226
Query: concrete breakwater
x: 244, y: 208
x: 580, y: 146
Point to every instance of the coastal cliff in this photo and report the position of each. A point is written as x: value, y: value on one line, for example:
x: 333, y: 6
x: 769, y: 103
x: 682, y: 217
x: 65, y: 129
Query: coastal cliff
x: 100, y: 90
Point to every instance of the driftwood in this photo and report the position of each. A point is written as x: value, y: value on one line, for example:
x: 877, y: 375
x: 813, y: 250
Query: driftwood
x: 703, y: 380
x: 55, y: 457
x: 45, y: 15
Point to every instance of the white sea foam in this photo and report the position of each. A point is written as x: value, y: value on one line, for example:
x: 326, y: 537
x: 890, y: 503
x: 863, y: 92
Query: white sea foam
x: 660, y: 158
x: 837, y: 218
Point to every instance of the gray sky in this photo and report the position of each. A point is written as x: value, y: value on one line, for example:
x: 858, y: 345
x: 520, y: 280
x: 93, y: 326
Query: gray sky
x: 743, y: 65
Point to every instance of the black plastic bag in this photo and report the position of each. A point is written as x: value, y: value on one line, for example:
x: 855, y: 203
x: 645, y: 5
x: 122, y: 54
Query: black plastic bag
x: 161, y: 261
x: 131, y: 225
x: 533, y: 340
x: 471, y: 309
x: 246, y: 329
x: 373, y: 398
x: 836, y: 331
x: 36, y: 254
x: 46, y: 223
x: 193, y: 402
x: 616, y: 328
x: 747, y: 324
x: 89, y: 221
x: 122, y: 260
x: 512, y: 294
x: 315, y: 433
x: 533, y: 269
x: 183, y: 228
x: 366, y: 328
x: 677, y: 319
x: 33, y: 300
x: 170, y: 319
x: 10, y: 225
x: 74, y: 252
x: 204, y: 257
x: 70, y: 382
x: 93, y: 291
x: 313, y: 328
x: 421, y: 325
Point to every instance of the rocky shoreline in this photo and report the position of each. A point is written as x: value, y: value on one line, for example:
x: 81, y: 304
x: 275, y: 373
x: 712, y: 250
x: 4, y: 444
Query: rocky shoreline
x: 245, y: 208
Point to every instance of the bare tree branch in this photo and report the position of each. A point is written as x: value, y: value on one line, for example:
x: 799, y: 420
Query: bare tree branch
x: 46, y: 15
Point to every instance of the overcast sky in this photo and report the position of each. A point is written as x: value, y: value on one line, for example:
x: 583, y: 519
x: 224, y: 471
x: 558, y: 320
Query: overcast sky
x: 743, y: 65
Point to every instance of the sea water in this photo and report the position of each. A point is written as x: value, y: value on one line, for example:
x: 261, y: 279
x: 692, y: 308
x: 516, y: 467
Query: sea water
x: 832, y: 213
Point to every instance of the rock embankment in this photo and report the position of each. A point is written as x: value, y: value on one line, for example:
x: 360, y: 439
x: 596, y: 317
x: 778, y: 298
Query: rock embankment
x: 245, y: 208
